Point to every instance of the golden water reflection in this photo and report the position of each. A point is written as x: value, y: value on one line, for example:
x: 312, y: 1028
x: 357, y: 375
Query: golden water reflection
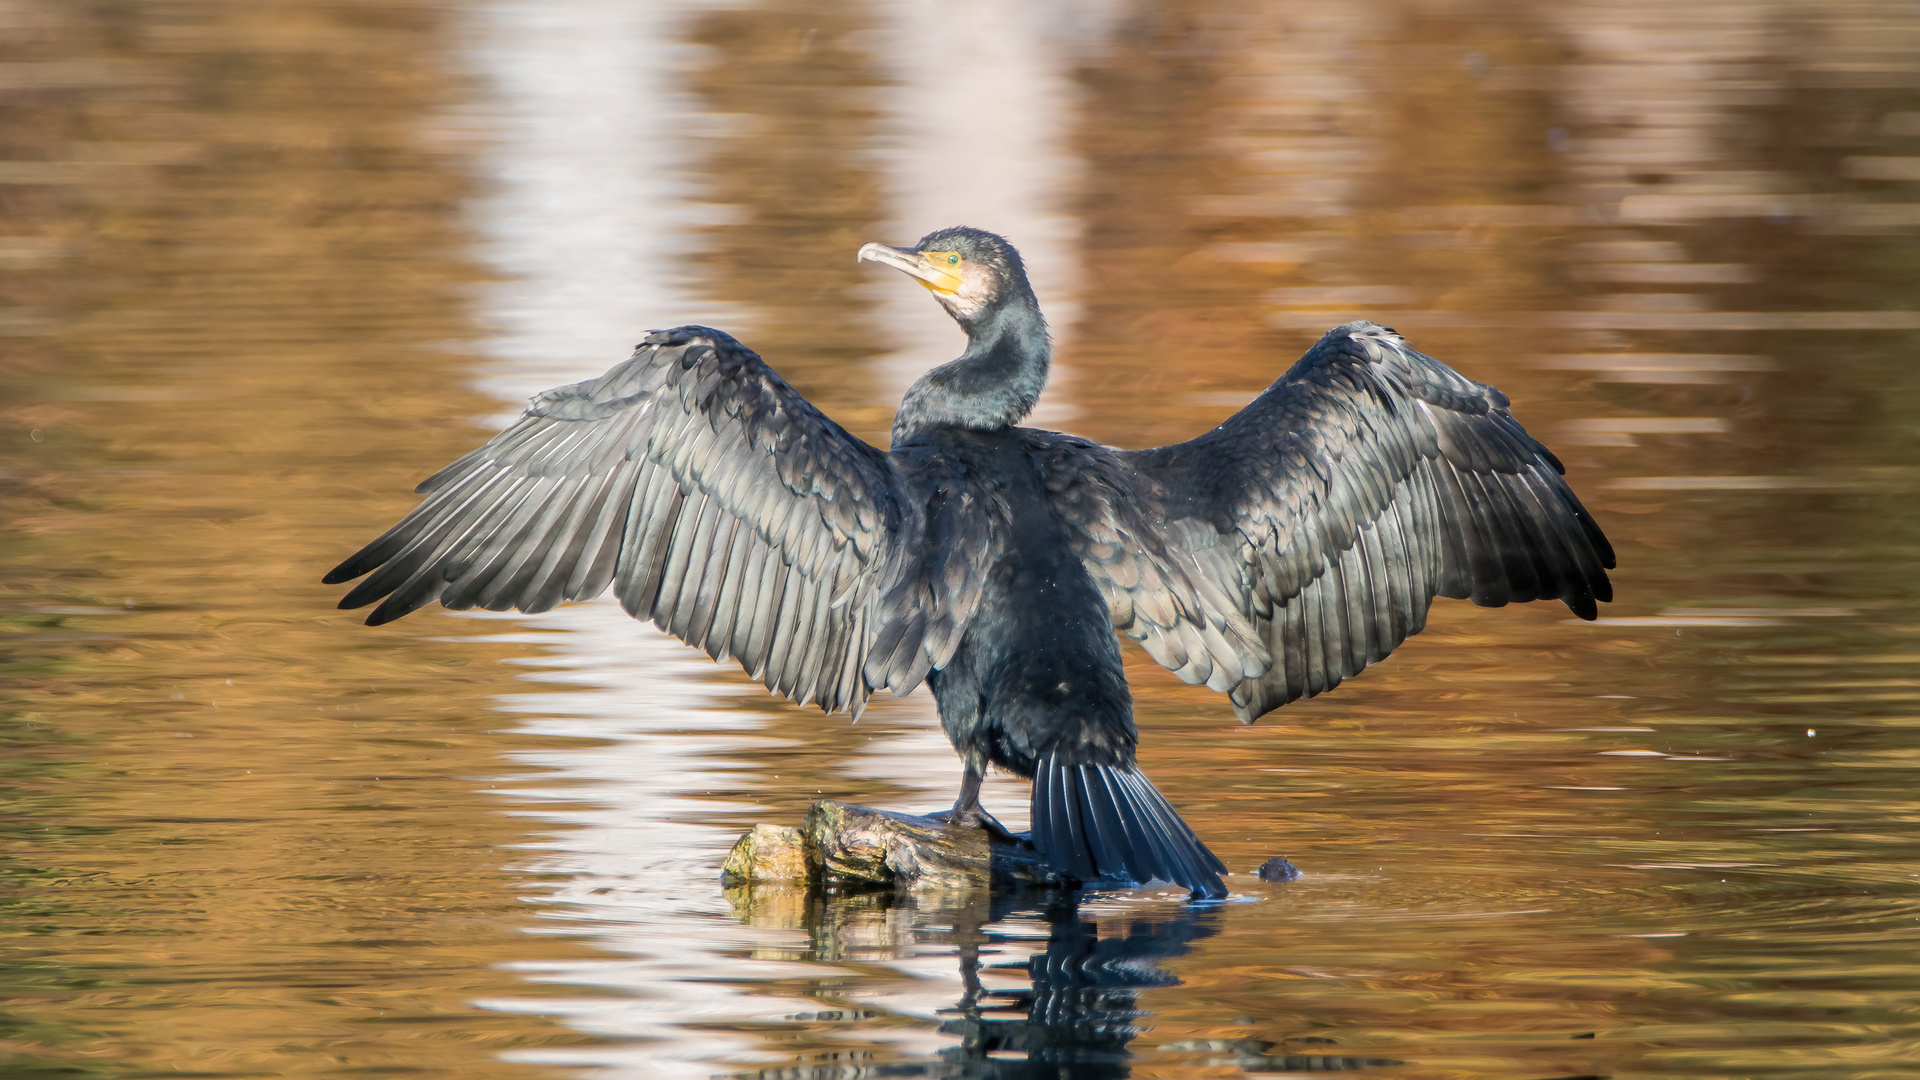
x: 262, y: 266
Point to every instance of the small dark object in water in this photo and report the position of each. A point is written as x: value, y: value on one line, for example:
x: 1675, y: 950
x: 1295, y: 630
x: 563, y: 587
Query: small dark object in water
x: 1277, y: 869
x: 1271, y: 558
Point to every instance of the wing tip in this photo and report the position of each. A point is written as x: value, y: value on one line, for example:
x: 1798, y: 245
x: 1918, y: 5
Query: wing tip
x: 383, y: 615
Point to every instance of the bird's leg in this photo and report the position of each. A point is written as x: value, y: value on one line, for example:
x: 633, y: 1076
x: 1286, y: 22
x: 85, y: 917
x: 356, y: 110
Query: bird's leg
x: 968, y: 812
x: 966, y: 808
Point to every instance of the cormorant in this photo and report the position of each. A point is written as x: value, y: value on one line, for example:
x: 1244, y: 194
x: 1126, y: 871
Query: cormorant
x: 1270, y: 558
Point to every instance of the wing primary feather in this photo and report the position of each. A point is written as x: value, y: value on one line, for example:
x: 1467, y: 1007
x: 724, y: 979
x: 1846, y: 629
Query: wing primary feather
x: 1292, y: 632
x: 396, y: 539
x: 1359, y: 612
x: 848, y: 690
x: 466, y: 463
x: 471, y: 566
x: 829, y: 629
x: 423, y: 530
x: 556, y: 450
x: 575, y: 541
x: 1396, y: 574
x: 594, y: 573
x: 755, y: 588
x: 740, y: 626
x: 766, y: 615
x: 1579, y: 576
x: 713, y: 577
x: 1430, y: 543
x: 692, y: 536
x: 1555, y: 567
x: 1333, y: 620
x: 1520, y: 539
x: 518, y: 579
x: 780, y: 674
x: 1314, y: 650
x: 512, y: 445
x: 415, y: 593
x: 809, y: 642
x: 650, y: 522
x: 1487, y: 526
x: 841, y: 655
x: 1479, y: 568
x: 827, y: 637
x: 1383, y: 614
x: 510, y: 564
x: 611, y: 447
x: 454, y: 536
x: 492, y: 569
x: 434, y: 552
x: 1577, y: 531
x: 798, y: 621
x: 726, y: 604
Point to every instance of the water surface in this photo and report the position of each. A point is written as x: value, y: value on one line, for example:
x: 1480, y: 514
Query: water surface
x: 263, y: 266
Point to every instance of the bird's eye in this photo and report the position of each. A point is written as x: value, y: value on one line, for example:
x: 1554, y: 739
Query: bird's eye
x: 953, y: 260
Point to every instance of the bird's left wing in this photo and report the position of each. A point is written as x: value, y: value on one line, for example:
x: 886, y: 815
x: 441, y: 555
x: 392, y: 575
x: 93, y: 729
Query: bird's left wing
x: 1304, y: 538
x: 714, y: 499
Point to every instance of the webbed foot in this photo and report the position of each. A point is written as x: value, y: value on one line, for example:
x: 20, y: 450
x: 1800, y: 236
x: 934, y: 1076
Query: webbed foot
x: 976, y: 817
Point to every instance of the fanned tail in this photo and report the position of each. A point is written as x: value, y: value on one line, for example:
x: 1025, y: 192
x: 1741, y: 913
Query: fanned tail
x: 1095, y: 821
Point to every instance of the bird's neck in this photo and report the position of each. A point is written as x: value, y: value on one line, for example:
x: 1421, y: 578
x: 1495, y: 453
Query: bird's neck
x: 993, y: 384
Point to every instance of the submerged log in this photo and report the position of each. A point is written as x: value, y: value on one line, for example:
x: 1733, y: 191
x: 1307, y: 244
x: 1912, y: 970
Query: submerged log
x: 848, y: 848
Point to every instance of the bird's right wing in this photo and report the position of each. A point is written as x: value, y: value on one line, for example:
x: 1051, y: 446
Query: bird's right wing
x: 1305, y: 538
x: 714, y: 499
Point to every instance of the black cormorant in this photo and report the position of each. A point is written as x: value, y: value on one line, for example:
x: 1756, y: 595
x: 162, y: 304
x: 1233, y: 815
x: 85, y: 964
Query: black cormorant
x: 1270, y: 558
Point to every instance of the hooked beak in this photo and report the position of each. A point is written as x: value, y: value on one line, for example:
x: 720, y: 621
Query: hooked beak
x: 915, y: 265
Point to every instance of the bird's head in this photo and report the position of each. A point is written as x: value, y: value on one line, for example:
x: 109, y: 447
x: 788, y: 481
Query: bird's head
x: 970, y: 271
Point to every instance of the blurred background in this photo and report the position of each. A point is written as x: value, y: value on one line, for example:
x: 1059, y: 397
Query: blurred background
x: 264, y: 264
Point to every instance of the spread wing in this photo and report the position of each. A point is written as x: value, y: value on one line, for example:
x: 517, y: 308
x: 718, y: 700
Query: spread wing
x: 712, y: 497
x: 1306, y: 537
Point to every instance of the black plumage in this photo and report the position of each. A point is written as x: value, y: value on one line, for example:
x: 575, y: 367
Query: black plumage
x: 1270, y: 558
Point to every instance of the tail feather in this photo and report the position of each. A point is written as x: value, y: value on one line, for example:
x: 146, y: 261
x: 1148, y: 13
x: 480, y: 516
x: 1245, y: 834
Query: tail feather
x: 1178, y: 842
x: 1094, y: 821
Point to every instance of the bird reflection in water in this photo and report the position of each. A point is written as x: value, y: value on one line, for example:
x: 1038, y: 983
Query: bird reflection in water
x: 1078, y: 1015
x: 1081, y: 1010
